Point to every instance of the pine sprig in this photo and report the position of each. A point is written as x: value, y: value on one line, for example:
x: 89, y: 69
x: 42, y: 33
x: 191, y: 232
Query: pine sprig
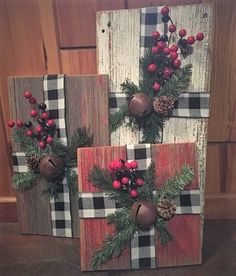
x: 27, y: 144
x: 72, y: 180
x: 24, y: 181
x: 146, y: 191
x: 129, y: 88
x: 113, y: 245
x: 164, y: 234
x: 174, y: 186
x: 121, y: 217
x: 177, y: 83
x: 58, y: 148
x: 102, y: 178
x: 118, y: 118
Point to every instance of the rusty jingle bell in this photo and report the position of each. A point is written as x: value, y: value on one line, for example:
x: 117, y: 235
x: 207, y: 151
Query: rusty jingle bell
x: 144, y: 213
x: 139, y: 105
x: 52, y: 166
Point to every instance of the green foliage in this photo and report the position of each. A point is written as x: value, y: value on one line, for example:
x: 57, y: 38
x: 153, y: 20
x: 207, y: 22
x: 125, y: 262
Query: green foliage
x: 58, y: 148
x: 117, y: 119
x: 79, y: 139
x: 24, y: 181
x: 72, y: 180
x: 177, y: 83
x: 129, y: 88
x: 164, y: 234
x: 114, y: 245
x: 121, y: 217
x: 27, y: 144
x: 174, y: 186
x: 103, y: 179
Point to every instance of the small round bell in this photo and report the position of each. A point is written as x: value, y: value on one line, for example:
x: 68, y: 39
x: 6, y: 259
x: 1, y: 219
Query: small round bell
x: 52, y: 166
x: 144, y: 213
x: 140, y: 105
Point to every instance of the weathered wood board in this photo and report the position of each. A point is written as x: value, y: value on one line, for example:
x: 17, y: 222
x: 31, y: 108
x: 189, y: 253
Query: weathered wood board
x: 185, y: 249
x: 118, y: 52
x: 86, y: 105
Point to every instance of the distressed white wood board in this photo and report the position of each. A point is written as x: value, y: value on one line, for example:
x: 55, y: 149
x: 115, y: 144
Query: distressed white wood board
x: 118, y: 53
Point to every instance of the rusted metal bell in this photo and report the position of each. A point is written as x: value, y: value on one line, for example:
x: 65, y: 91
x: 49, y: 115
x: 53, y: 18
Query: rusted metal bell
x: 51, y: 166
x: 139, y: 105
x: 144, y: 213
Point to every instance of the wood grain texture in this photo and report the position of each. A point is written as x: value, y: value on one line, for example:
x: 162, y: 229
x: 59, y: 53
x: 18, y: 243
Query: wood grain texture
x: 33, y: 210
x: 186, y: 229
x: 118, y: 56
x: 230, y: 172
x: 134, y: 4
x: 81, y: 61
x: 87, y: 106
x: 94, y: 231
x: 77, y: 20
x: 223, y: 113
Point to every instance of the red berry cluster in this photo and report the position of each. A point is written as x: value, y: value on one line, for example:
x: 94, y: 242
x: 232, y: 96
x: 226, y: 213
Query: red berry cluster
x: 125, y: 176
x: 166, y: 58
x: 44, y: 131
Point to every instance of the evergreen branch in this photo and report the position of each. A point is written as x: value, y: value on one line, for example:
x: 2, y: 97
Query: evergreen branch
x: 72, y: 180
x: 121, y: 217
x: 146, y: 191
x: 102, y: 178
x: 177, y: 83
x: 117, y: 119
x: 79, y: 139
x: 24, y: 181
x: 58, y: 147
x: 27, y: 144
x: 152, y: 129
x: 174, y: 186
x: 164, y: 234
x: 113, y: 245
x: 129, y: 88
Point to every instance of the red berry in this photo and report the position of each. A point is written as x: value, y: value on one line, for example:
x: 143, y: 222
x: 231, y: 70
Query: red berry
x: 38, y: 128
x: 133, y: 164
x: 19, y: 123
x: 165, y: 10
x: 44, y: 115
x: 10, y: 123
x: 33, y: 112
x: 32, y: 100
x: 173, y: 55
x: 117, y: 165
x: 199, y: 36
x: 42, y: 144
x: 133, y: 193
x: 172, y: 28
x: 116, y: 184
x: 156, y: 34
x: 156, y: 86
x: 127, y: 165
x: 139, y: 182
x: 29, y: 133
x: 174, y: 48
x: 152, y: 68
x: 125, y: 180
x: 190, y: 40
x: 27, y: 94
x: 49, y: 139
x: 155, y: 50
x: 177, y: 63
x: 50, y: 122
x: 166, y: 51
x: 167, y: 72
x: 182, y: 32
x: 161, y: 45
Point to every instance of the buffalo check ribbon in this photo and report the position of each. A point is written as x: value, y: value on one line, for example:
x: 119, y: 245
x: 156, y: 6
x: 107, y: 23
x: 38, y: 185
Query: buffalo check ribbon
x: 54, y: 95
x: 143, y: 244
x: 53, y: 89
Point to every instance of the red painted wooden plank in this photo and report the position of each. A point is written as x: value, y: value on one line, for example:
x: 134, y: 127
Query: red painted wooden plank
x: 185, y: 249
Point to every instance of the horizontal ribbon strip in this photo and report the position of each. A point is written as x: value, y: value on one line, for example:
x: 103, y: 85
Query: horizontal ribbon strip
x: 189, y: 105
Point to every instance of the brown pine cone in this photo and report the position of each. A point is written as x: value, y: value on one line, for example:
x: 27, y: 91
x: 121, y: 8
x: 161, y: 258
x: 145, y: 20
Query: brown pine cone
x: 166, y: 209
x: 163, y: 104
x: 32, y: 161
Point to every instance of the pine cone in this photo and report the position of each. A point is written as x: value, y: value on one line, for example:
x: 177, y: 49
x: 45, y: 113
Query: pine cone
x: 166, y: 209
x: 32, y: 161
x: 163, y: 104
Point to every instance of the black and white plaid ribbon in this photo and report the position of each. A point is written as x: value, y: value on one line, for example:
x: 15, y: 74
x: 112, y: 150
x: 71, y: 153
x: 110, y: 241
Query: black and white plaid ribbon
x: 53, y: 86
x: 188, y: 105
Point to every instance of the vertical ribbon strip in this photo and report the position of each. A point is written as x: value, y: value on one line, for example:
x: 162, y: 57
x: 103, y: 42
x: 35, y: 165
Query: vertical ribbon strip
x: 53, y: 86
